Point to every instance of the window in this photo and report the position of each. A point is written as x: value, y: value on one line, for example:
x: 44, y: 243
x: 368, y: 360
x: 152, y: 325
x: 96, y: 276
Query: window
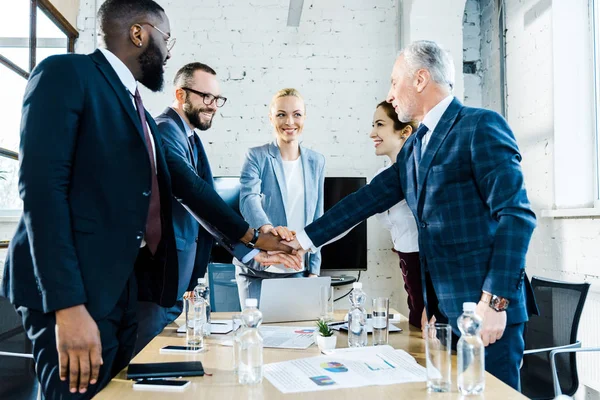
x: 595, y: 13
x: 34, y: 31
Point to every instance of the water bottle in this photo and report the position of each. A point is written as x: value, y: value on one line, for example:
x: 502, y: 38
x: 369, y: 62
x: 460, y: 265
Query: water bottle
x: 470, y: 352
x: 250, y: 368
x: 202, y: 291
x: 357, y: 317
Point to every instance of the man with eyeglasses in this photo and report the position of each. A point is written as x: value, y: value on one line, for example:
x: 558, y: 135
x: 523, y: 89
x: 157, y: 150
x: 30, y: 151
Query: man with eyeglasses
x: 197, y: 97
x: 96, y: 232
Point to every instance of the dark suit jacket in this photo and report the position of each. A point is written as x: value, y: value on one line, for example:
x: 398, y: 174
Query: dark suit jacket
x: 85, y: 179
x: 471, y: 207
x: 193, y: 185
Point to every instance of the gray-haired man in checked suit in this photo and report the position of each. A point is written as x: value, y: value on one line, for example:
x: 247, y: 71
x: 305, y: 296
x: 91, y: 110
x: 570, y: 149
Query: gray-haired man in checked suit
x: 461, y: 177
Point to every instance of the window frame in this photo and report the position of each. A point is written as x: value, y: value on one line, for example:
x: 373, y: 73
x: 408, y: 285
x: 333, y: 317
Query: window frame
x: 595, y: 25
x: 61, y: 23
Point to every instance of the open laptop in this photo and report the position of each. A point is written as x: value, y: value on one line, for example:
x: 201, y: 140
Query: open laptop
x: 292, y: 299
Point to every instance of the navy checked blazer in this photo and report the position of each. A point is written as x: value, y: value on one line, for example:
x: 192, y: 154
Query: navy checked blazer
x: 475, y: 221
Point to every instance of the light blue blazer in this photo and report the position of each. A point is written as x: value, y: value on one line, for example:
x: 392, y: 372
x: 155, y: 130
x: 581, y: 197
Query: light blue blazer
x: 263, y: 192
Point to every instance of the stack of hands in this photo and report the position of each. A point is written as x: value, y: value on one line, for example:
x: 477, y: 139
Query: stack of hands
x: 282, y: 248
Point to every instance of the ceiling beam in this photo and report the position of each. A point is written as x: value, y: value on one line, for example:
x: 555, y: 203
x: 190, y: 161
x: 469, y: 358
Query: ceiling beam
x: 295, y: 12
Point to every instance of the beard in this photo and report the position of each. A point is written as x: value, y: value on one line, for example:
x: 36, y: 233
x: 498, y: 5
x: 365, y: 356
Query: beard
x: 151, y: 63
x: 193, y: 115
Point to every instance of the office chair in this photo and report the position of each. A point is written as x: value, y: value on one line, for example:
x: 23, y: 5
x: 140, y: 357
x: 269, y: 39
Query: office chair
x: 223, y: 287
x: 17, y: 368
x: 551, y: 338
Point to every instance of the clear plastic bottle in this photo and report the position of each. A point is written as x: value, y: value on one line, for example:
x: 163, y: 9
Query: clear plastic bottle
x: 202, y: 291
x: 470, y: 352
x: 250, y: 367
x: 357, y: 317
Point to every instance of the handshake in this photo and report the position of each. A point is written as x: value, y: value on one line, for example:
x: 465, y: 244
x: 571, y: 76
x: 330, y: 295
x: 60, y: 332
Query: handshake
x: 279, y: 246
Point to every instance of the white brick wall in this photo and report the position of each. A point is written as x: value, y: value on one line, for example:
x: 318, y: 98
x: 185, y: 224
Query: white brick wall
x: 472, y: 53
x: 564, y: 249
x: 340, y: 58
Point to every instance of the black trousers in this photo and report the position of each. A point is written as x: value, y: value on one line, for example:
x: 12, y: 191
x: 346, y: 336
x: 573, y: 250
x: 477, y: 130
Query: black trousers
x: 118, y: 332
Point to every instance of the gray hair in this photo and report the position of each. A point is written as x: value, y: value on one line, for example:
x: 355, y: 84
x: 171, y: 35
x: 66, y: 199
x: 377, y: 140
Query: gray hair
x: 425, y: 54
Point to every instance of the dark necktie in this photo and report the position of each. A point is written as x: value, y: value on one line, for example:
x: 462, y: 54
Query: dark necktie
x: 153, y: 223
x: 194, y: 146
x: 419, y: 134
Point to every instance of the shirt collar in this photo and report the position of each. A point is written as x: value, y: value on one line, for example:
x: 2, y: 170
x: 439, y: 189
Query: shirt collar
x: 189, y: 131
x: 432, y: 118
x: 122, y: 71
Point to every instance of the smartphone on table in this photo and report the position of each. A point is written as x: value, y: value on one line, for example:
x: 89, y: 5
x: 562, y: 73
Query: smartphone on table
x: 161, y: 385
x: 180, y: 349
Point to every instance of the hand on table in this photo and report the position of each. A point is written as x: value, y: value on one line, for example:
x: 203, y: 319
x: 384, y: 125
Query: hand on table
x: 188, y: 295
x: 79, y: 347
x: 493, y: 325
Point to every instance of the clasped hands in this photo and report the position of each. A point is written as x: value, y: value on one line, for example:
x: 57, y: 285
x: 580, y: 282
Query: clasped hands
x: 277, y: 241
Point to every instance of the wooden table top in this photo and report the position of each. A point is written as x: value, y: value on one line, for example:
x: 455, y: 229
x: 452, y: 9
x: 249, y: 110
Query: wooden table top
x: 218, y: 361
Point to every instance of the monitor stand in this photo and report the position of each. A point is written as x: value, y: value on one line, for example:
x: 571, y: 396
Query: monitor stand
x: 340, y: 280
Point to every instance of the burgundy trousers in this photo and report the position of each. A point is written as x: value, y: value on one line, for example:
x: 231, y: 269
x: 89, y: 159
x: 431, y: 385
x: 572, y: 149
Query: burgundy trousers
x: 411, y: 272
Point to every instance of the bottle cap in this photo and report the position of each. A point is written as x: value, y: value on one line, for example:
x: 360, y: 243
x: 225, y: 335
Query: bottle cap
x: 357, y: 285
x: 251, y: 302
x: 469, y: 307
x: 202, y: 280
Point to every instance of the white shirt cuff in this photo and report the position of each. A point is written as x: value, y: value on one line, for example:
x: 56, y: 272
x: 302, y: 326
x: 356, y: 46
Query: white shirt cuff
x: 248, y: 257
x: 305, y: 241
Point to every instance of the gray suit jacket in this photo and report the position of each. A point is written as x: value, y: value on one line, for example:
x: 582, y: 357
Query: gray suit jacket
x: 263, y: 192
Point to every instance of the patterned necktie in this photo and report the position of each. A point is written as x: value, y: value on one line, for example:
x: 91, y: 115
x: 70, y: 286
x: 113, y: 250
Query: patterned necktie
x: 421, y: 131
x: 153, y: 222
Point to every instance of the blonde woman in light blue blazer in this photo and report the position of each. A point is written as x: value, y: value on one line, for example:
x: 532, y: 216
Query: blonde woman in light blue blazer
x: 281, y: 190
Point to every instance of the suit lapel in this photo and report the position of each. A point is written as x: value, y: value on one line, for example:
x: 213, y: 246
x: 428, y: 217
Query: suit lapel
x: 437, y: 138
x: 178, y: 121
x: 277, y: 165
x: 308, y: 167
x: 121, y: 91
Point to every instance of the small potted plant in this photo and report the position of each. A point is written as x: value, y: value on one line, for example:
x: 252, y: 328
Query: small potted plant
x: 325, y: 337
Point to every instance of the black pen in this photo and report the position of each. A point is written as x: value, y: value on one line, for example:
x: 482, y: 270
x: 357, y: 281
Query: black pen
x: 336, y: 323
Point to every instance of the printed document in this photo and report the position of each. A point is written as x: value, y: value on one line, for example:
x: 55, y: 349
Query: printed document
x: 346, y: 368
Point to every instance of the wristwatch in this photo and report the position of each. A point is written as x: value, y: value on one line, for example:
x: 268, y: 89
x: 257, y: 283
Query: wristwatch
x: 254, y: 239
x: 496, y: 303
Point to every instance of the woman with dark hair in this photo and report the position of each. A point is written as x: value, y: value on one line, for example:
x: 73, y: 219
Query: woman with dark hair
x: 389, y: 135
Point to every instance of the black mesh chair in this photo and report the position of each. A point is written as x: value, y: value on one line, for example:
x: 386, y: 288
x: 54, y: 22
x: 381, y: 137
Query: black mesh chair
x: 553, y: 331
x: 17, y: 369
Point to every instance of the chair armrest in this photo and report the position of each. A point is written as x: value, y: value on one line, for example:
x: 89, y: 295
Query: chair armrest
x: 553, y: 353
x: 547, y: 349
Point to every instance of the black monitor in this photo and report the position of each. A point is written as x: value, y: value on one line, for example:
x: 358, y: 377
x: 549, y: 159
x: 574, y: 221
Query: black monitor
x: 347, y: 254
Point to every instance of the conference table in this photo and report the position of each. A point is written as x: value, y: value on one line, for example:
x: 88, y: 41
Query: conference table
x: 222, y: 382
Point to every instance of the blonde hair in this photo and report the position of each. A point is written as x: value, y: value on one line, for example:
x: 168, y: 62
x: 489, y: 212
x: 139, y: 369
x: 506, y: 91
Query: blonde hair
x: 285, y: 93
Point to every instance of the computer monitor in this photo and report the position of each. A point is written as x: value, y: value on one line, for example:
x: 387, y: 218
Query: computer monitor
x: 347, y: 254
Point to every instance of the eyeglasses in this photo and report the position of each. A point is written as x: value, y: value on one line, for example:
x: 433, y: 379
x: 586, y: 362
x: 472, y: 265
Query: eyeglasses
x: 208, y: 98
x: 169, y: 41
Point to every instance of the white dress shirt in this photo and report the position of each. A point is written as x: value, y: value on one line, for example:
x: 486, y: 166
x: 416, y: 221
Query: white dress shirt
x: 127, y: 79
x: 294, y: 207
x: 400, y: 221
x: 431, y: 119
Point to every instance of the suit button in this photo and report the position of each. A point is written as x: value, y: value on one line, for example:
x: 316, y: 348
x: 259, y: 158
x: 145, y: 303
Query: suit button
x: 423, y: 224
x: 196, y: 239
x: 139, y: 235
x: 147, y: 193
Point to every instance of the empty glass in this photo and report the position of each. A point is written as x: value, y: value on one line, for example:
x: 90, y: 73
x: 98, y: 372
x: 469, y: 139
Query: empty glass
x: 237, y: 327
x: 326, y: 302
x: 438, y: 343
x: 380, y: 320
x: 195, y: 318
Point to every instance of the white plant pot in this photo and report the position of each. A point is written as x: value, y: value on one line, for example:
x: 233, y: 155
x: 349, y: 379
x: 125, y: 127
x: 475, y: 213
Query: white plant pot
x: 326, y: 343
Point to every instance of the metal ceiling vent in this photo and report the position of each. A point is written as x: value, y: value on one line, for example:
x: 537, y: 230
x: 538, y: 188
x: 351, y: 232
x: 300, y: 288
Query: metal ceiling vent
x: 295, y: 12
